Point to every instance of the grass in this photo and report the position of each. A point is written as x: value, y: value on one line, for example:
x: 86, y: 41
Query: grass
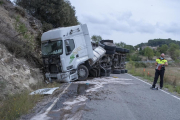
x: 171, y: 77
x: 21, y: 103
x: 16, y: 105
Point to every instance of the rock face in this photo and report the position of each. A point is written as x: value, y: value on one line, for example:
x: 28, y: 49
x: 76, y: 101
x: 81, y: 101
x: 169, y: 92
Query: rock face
x: 16, y: 74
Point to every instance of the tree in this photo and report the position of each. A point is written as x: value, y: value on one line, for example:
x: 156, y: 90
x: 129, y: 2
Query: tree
x: 163, y: 48
x: 148, y: 52
x: 58, y: 13
x: 121, y: 44
x: 177, y: 54
x: 157, y: 54
x: 96, y: 38
x: 173, y: 51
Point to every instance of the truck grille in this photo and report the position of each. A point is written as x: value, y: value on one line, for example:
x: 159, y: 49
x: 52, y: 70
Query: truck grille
x: 53, y: 69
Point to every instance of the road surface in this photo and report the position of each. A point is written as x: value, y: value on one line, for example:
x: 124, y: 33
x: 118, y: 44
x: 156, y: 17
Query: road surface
x: 120, y: 97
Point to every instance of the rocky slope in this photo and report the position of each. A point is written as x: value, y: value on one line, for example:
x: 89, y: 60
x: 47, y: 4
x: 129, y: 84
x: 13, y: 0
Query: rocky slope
x: 19, y: 50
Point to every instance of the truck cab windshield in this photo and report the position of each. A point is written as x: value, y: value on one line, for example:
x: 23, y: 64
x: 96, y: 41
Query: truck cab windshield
x: 52, y: 47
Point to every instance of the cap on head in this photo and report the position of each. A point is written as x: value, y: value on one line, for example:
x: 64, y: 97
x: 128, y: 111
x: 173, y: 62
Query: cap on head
x: 162, y: 55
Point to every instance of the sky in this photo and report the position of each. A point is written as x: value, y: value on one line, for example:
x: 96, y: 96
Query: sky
x: 130, y: 21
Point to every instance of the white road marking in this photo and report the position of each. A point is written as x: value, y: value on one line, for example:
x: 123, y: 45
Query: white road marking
x: 44, y: 116
x: 150, y: 85
x: 55, y: 101
x: 139, y: 79
x: 164, y: 91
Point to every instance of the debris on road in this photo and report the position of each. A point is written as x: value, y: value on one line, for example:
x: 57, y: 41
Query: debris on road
x: 44, y: 91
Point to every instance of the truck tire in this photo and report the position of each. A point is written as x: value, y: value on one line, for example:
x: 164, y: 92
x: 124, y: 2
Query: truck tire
x: 127, y: 51
x: 103, y: 74
x: 122, y: 71
x: 110, y: 52
x: 83, y: 72
x: 108, y: 70
x: 126, y: 71
x: 116, y: 71
x: 118, y: 49
x: 107, y: 45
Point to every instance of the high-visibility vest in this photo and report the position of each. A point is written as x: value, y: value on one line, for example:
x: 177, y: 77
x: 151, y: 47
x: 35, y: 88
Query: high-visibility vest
x: 159, y: 61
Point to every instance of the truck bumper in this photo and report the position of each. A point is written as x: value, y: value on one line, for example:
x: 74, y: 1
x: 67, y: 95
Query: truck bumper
x: 62, y: 77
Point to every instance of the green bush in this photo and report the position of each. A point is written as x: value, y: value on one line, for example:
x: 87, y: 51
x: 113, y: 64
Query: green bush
x: 1, y: 2
x: 178, y: 89
x: 2, y: 85
x: 22, y: 50
x: 20, y: 11
x: 47, y: 26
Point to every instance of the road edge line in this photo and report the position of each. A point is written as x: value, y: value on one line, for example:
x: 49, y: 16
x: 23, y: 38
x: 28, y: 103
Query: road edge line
x: 150, y: 85
x: 138, y: 79
x: 55, y: 101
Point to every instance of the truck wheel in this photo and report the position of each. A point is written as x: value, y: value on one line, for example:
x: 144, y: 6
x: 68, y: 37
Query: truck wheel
x: 83, y: 72
x: 108, y: 70
x: 126, y: 71
x: 107, y: 44
x: 116, y: 71
x: 118, y: 49
x: 110, y: 52
x: 127, y: 51
x: 107, y: 74
x: 122, y: 71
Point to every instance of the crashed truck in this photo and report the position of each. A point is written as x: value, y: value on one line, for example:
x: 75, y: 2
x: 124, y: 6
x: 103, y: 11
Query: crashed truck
x: 69, y: 54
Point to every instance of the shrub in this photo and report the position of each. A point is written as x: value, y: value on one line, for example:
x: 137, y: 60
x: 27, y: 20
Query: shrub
x: 1, y: 2
x: 20, y: 11
x: 2, y: 85
x: 47, y: 26
x: 178, y: 89
x: 21, y: 50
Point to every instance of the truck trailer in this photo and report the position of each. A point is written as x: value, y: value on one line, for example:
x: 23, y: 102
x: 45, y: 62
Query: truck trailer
x: 69, y: 54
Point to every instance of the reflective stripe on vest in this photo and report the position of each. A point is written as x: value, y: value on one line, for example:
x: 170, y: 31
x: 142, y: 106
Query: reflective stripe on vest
x: 161, y: 61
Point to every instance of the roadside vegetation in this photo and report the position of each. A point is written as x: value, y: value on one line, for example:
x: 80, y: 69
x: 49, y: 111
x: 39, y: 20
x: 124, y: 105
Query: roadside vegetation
x: 21, y: 36
x: 21, y: 103
x: 1, y: 2
x: 147, y: 71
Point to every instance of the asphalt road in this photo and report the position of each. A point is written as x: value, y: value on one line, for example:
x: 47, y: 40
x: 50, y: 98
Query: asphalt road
x: 121, y: 98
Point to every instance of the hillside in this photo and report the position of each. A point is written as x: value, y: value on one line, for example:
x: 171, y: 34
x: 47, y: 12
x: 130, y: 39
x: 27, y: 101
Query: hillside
x: 158, y: 42
x: 19, y: 50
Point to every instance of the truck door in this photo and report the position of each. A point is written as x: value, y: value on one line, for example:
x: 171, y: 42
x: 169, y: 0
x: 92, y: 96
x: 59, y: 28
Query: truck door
x: 70, y: 57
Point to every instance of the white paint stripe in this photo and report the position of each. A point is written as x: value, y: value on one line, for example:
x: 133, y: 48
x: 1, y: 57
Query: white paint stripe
x: 55, y: 101
x: 165, y: 92
x: 138, y: 79
x: 176, y: 97
x: 150, y: 85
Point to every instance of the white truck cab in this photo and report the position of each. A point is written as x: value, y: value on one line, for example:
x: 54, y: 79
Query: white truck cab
x: 64, y: 50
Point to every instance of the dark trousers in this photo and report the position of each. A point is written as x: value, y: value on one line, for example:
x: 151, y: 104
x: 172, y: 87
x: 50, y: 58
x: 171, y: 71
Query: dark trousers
x: 157, y: 74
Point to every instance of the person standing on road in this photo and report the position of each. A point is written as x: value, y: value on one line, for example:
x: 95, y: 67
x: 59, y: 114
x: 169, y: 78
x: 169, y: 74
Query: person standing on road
x: 160, y: 69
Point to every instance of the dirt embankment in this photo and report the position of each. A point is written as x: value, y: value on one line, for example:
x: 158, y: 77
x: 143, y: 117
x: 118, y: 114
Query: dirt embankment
x: 19, y: 50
